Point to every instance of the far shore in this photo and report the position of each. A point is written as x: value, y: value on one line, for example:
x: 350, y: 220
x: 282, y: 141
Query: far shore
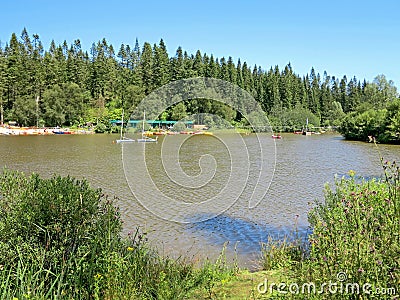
x: 16, y: 130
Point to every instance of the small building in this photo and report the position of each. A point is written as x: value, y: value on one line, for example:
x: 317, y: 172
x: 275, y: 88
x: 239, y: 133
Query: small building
x: 161, y: 124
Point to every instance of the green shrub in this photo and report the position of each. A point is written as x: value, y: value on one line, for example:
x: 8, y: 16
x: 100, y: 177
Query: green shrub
x: 383, y: 124
x: 179, y: 126
x: 60, y: 225
x: 354, y: 247
x: 357, y: 231
x: 102, y: 128
x: 60, y: 239
x: 293, y: 119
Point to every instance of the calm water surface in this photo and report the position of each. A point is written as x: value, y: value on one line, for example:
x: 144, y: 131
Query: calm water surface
x: 303, y: 165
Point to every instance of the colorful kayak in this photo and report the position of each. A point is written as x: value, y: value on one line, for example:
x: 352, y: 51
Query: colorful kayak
x: 276, y: 136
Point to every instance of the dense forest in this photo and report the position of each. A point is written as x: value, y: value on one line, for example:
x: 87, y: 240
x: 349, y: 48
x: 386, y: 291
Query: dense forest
x: 67, y: 86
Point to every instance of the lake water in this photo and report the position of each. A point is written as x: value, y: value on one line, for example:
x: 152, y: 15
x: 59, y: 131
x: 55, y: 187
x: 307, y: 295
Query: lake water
x: 183, y: 186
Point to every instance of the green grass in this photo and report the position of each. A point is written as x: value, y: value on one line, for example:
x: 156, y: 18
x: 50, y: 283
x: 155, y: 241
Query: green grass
x: 244, y: 285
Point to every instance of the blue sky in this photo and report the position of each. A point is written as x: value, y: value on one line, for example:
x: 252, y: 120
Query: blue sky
x: 352, y: 38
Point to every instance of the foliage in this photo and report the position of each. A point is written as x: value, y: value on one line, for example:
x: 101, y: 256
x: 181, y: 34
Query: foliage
x: 215, y: 274
x: 179, y: 126
x: 281, y: 254
x: 356, y: 231
x: 382, y: 124
x: 61, y: 239
x: 24, y: 111
x: 76, y: 86
x: 293, y: 119
x: 354, y: 245
x: 102, y: 127
x: 178, y: 112
x: 56, y: 231
x: 334, y: 115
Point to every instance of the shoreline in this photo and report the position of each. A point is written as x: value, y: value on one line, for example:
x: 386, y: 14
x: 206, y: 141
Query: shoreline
x: 16, y: 130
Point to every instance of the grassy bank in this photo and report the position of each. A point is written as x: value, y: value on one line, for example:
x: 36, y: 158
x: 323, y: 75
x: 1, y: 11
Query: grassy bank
x: 61, y: 239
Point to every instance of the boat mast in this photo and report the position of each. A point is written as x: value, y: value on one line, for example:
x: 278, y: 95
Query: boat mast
x: 144, y: 117
x: 122, y: 125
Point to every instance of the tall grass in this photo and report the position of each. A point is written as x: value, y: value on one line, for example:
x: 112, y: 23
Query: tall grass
x: 60, y: 239
x: 282, y: 253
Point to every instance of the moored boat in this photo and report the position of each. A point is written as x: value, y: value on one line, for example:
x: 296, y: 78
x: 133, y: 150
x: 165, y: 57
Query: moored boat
x: 123, y: 138
x: 159, y: 133
x: 145, y: 138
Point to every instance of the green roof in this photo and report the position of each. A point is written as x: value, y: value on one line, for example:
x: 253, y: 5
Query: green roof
x: 164, y: 122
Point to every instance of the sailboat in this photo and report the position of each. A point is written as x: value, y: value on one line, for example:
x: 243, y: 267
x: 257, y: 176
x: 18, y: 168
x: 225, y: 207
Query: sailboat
x: 145, y: 139
x: 123, y: 139
x: 306, y: 132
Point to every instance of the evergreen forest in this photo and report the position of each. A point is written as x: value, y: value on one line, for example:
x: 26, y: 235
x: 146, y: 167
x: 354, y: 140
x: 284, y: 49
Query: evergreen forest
x: 66, y: 85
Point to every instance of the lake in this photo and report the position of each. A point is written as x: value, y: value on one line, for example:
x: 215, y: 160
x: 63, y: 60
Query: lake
x: 196, y: 198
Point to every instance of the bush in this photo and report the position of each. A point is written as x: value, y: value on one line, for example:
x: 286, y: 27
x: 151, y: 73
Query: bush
x: 179, y: 126
x: 60, y: 239
x: 353, y: 251
x: 101, y: 128
x: 293, y: 119
x: 360, y: 126
x: 357, y: 231
x: 383, y: 124
x: 60, y: 225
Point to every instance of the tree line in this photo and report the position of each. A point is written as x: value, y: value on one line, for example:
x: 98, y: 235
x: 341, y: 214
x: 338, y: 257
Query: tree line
x: 66, y: 85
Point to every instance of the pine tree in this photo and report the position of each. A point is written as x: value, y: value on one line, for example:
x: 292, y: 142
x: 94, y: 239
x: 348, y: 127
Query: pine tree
x: 178, y: 71
x: 343, y: 94
x: 232, y: 74
x: 188, y: 65
x: 82, y: 86
x: 198, y: 66
x: 354, y: 95
x: 224, y: 74
x: 136, y: 54
x: 212, y: 69
x: 146, y: 68
x: 14, y: 80
x: 239, y: 76
x: 313, y: 103
x: 326, y: 98
x: 123, y: 57
x: 2, y: 84
x: 161, y: 70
